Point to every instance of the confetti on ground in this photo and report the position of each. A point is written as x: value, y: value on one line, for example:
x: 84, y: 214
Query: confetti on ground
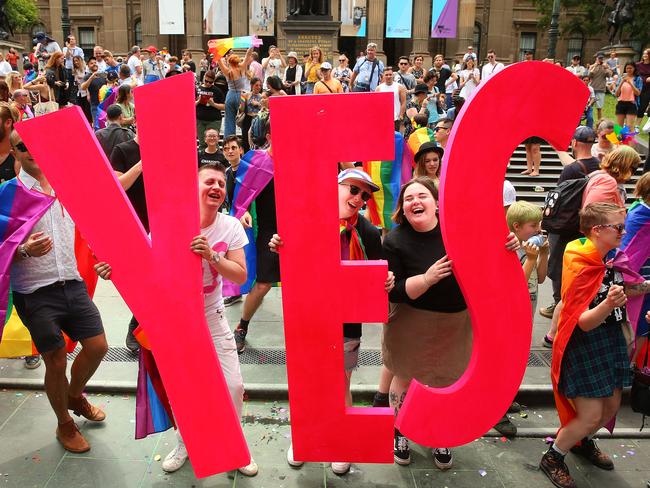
x: 503, y: 439
x: 156, y: 457
x: 631, y: 453
x: 500, y: 454
x: 549, y: 440
x: 19, y: 394
x: 482, y: 472
x: 523, y: 415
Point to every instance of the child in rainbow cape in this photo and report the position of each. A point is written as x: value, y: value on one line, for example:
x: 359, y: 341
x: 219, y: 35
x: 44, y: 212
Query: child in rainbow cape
x: 590, y: 352
x: 220, y: 245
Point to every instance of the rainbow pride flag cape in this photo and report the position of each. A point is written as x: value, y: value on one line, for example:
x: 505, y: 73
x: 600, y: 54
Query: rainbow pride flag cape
x: 107, y: 97
x: 20, y: 209
x: 255, y: 171
x: 153, y: 412
x: 389, y: 177
x: 219, y: 47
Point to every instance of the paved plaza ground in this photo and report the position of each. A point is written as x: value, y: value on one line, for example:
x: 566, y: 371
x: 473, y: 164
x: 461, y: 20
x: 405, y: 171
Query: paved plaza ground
x: 30, y: 456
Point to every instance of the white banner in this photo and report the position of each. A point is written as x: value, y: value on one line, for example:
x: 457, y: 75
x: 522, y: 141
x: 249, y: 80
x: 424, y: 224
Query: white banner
x: 215, y: 17
x: 171, y: 17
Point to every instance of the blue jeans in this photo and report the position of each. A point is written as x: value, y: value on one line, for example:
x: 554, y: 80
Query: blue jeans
x: 94, y: 113
x: 589, y: 117
x: 233, y: 98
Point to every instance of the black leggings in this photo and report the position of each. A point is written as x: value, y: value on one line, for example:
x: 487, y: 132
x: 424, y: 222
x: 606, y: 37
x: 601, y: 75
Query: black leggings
x: 245, y: 126
x: 644, y: 99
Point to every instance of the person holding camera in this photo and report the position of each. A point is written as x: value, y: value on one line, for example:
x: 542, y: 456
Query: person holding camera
x: 93, y: 81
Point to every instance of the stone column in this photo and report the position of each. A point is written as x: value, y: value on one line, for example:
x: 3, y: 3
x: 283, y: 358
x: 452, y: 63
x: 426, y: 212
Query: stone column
x: 239, y: 18
x: 56, y: 31
x: 376, y: 20
x: 422, y: 30
x: 335, y: 12
x: 115, y: 27
x: 150, y: 28
x: 501, y: 31
x: 466, y: 20
x: 194, y: 26
x: 281, y: 16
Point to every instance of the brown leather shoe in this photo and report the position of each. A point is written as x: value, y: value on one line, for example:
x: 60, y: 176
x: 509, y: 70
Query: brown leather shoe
x: 81, y: 407
x: 590, y: 451
x: 553, y: 466
x: 70, y: 438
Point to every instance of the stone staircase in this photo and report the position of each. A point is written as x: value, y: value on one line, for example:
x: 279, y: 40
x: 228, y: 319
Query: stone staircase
x: 534, y: 188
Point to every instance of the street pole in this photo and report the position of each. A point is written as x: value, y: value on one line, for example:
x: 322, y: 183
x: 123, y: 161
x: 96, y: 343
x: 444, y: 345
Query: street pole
x: 554, y: 30
x: 65, y: 18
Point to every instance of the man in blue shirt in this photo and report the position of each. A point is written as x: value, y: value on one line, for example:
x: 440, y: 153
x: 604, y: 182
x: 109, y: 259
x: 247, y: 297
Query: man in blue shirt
x: 368, y: 71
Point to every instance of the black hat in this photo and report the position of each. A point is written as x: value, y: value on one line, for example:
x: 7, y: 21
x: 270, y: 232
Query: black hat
x: 421, y: 88
x: 111, y: 75
x: 429, y: 147
x: 41, y: 36
x: 585, y: 134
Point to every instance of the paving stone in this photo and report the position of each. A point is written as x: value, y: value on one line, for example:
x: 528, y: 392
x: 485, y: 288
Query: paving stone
x: 98, y: 473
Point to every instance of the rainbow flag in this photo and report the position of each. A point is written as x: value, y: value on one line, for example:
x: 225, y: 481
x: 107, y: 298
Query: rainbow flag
x: 255, y: 171
x: 219, y: 47
x: 389, y: 177
x: 107, y: 97
x: 411, y: 147
x: 153, y: 412
x: 20, y: 209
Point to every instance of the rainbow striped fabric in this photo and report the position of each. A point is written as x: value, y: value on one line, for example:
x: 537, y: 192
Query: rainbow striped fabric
x: 415, y: 140
x: 20, y: 209
x: 107, y: 97
x: 389, y: 176
x: 219, y: 47
x: 153, y: 412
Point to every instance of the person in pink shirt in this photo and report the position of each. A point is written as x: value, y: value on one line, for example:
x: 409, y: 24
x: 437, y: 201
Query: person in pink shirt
x: 606, y: 184
x: 256, y: 67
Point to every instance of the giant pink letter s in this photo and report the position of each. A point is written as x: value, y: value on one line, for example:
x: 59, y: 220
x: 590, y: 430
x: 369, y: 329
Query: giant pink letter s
x: 160, y: 279
x: 319, y: 292
x: 521, y: 101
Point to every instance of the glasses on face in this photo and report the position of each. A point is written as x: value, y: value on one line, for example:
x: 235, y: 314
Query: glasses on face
x: 436, y: 129
x: 231, y: 148
x: 21, y: 147
x: 355, y: 190
x: 341, y: 60
x: 208, y: 82
x: 402, y: 64
x: 620, y: 228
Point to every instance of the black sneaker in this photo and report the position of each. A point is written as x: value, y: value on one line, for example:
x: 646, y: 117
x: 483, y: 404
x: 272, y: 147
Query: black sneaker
x: 380, y: 400
x: 231, y: 300
x: 32, y: 362
x: 514, y: 408
x: 505, y: 427
x: 132, y: 343
x: 401, y: 450
x: 553, y: 466
x: 589, y: 450
x: 442, y: 458
x: 547, y: 342
x: 240, y: 339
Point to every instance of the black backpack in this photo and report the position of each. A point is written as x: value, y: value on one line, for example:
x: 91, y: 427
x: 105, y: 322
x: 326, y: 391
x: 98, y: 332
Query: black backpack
x: 561, y: 214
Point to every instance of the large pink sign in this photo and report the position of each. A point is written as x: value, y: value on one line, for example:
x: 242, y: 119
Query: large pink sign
x: 158, y: 277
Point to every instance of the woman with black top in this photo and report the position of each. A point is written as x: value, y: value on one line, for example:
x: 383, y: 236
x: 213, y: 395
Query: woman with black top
x: 252, y: 106
x: 428, y: 336
x: 57, y: 78
x: 292, y: 75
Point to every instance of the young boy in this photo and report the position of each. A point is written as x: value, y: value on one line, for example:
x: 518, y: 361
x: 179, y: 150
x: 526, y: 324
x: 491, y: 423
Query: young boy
x: 590, y: 352
x: 525, y: 220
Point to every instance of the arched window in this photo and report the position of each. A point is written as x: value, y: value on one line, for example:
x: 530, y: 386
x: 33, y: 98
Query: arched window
x: 477, y: 41
x: 137, y: 29
x: 574, y: 47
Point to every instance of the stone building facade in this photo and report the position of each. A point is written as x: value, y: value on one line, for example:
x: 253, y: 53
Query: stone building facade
x: 507, y: 26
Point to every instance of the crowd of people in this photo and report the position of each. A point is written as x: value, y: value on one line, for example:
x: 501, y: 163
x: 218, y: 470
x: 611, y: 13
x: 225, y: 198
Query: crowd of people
x: 428, y: 336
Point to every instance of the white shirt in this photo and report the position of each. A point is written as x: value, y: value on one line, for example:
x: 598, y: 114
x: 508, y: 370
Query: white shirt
x: 134, y: 62
x: 470, y: 84
x: 60, y: 264
x: 273, y: 68
x: 489, y: 70
x: 76, y: 51
x: 225, y: 234
x: 578, y: 70
x: 101, y: 66
x: 394, y: 87
x: 5, y: 68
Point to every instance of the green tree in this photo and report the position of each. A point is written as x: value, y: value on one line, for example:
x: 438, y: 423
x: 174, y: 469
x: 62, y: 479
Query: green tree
x: 591, y: 18
x: 21, y: 14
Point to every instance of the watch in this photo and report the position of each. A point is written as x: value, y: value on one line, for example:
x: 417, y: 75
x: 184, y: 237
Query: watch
x: 22, y: 250
x: 215, y: 257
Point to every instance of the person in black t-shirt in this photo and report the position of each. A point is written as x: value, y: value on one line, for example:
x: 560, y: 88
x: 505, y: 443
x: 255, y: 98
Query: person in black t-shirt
x: 93, y: 81
x: 210, y: 101
x: 444, y: 73
x: 211, y: 153
x: 583, y: 164
x: 360, y: 240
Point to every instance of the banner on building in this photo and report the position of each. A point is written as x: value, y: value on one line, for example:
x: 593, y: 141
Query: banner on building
x: 171, y: 17
x: 399, y: 17
x: 354, y: 14
x: 215, y: 17
x: 261, y: 19
x: 444, y: 18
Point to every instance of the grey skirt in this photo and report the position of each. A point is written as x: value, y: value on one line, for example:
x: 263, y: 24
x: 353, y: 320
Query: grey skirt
x: 432, y: 347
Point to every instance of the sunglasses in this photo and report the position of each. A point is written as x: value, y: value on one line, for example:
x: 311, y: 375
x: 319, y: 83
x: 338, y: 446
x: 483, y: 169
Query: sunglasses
x: 620, y: 228
x: 21, y: 147
x: 208, y: 82
x: 436, y: 129
x: 355, y: 190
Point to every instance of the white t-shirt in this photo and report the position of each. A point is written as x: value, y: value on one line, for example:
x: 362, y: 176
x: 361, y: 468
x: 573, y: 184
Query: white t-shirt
x: 273, y: 68
x: 225, y: 234
x: 470, y: 85
x: 489, y: 70
x: 5, y: 68
x: 397, y: 104
x: 134, y: 62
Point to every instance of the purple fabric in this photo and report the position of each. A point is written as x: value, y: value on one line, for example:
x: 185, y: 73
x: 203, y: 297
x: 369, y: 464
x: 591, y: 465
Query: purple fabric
x: 25, y: 207
x: 446, y: 25
x: 254, y: 173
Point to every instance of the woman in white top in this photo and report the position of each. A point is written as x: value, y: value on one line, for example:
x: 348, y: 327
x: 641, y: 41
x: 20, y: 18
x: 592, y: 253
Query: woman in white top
x: 469, y: 79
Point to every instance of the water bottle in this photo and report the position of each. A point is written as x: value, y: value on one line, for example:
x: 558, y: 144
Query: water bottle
x: 537, y: 240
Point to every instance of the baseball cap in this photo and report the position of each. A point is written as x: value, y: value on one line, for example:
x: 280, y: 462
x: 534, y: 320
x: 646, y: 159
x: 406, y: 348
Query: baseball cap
x: 421, y: 88
x: 585, y: 134
x: 111, y: 75
x: 357, y: 174
x: 151, y: 49
x: 326, y: 65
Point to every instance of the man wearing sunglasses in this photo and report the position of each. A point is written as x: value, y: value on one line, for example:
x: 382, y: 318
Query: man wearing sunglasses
x: 360, y: 240
x: 51, y: 298
x: 210, y: 101
x: 441, y: 131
